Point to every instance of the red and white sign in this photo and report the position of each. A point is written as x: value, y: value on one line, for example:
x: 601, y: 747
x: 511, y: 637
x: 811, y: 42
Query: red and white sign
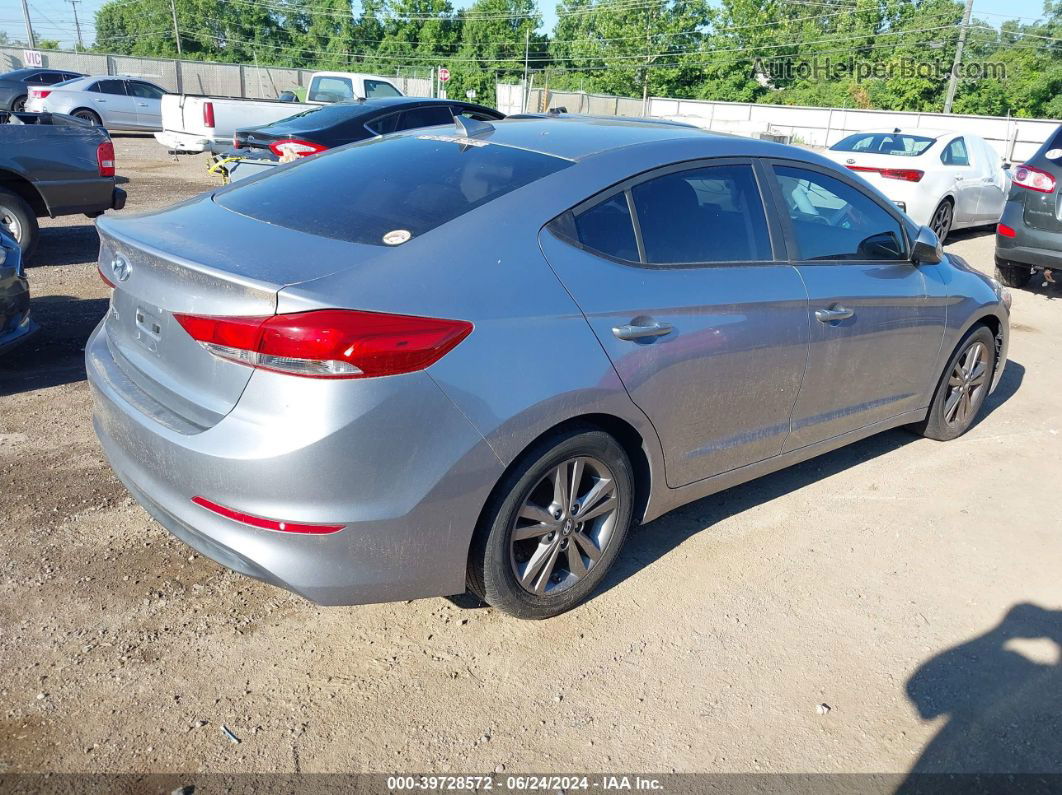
x: 32, y: 58
x: 444, y: 74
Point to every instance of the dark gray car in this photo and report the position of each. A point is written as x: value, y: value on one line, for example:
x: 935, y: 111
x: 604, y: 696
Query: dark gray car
x: 51, y: 166
x: 473, y: 357
x: 15, y: 323
x: 15, y: 85
x: 1029, y: 233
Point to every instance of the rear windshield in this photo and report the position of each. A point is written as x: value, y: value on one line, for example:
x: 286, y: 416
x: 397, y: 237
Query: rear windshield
x: 884, y: 144
x: 317, y: 118
x: 398, y: 188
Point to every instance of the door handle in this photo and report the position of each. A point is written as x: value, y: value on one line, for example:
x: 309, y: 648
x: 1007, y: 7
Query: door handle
x: 641, y: 331
x: 832, y: 314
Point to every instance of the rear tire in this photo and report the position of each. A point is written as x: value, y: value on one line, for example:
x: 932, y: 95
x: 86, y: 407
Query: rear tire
x: 18, y: 221
x: 963, y: 387
x: 537, y: 551
x: 18, y: 104
x: 942, y: 219
x: 88, y: 115
x: 1013, y: 275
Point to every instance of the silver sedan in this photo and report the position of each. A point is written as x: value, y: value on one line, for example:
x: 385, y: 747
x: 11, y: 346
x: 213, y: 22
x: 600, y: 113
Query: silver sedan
x: 472, y: 358
x: 117, y: 103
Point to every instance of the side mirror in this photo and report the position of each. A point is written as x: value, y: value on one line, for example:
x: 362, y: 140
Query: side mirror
x: 1006, y: 166
x: 927, y: 248
x: 287, y: 96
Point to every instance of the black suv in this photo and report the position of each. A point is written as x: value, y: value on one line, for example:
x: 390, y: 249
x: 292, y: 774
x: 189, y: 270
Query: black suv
x: 1029, y: 234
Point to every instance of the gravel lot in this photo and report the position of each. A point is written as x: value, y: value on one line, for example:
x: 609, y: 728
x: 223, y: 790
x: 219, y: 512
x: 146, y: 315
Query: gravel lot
x: 895, y: 605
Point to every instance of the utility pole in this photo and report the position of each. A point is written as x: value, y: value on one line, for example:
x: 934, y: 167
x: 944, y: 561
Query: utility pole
x: 29, y: 26
x: 176, y: 31
x: 527, y: 51
x: 953, y: 81
x: 77, y: 23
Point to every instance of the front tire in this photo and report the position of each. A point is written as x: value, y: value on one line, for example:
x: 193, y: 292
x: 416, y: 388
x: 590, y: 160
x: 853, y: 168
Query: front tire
x: 963, y: 387
x: 18, y: 221
x: 554, y: 526
x: 1013, y: 275
x: 942, y: 219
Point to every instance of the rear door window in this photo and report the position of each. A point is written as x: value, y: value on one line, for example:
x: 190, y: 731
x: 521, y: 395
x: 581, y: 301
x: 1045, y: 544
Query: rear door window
x: 955, y: 154
x: 710, y: 214
x: 407, y: 185
x: 330, y: 89
x: 109, y: 87
x: 832, y: 220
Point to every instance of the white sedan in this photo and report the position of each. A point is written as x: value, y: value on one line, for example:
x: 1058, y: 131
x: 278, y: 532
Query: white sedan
x: 944, y: 180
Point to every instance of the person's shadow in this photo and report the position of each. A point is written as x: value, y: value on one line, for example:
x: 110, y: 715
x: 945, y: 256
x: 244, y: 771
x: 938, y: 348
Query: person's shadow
x: 1004, y: 708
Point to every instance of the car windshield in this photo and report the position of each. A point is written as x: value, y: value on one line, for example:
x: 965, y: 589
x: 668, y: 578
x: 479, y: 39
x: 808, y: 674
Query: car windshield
x: 899, y: 144
x: 66, y: 82
x: 388, y: 190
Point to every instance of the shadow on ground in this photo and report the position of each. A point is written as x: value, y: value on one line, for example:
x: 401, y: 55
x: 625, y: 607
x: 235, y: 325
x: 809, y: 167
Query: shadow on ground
x: 652, y: 541
x: 1001, y: 694
x: 56, y: 354
x: 66, y: 245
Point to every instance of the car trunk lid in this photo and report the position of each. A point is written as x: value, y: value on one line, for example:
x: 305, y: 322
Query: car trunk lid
x: 227, y: 265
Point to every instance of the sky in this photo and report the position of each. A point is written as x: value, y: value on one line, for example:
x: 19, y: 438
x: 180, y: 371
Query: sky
x: 54, y: 19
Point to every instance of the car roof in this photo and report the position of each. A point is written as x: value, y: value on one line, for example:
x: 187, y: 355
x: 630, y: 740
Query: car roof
x: 578, y: 137
x: 923, y: 132
x: 382, y: 103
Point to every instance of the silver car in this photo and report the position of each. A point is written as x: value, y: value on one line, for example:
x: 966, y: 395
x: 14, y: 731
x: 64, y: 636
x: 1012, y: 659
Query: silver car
x: 117, y: 103
x: 448, y: 359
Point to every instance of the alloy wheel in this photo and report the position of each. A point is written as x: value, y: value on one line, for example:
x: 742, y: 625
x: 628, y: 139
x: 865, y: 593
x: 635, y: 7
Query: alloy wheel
x: 941, y: 223
x: 9, y: 223
x: 966, y: 385
x: 564, y: 526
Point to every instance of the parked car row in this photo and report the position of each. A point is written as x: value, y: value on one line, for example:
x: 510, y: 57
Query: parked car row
x: 202, y: 123
x: 945, y: 180
x: 488, y: 347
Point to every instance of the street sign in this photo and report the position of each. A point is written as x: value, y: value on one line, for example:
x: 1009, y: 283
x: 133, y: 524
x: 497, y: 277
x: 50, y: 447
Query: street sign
x: 444, y: 74
x: 32, y: 58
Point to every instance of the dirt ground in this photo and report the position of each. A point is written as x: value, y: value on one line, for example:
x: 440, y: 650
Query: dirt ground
x: 895, y: 605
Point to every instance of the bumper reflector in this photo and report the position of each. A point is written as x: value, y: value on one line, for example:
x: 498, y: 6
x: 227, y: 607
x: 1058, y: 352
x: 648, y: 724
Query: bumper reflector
x: 1005, y: 231
x: 266, y: 524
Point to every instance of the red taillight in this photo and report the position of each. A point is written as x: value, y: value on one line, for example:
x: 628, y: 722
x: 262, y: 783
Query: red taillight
x: 1034, y: 179
x: 108, y: 282
x: 235, y: 141
x: 39, y: 93
x: 1005, y: 231
x: 266, y: 524
x: 295, y: 147
x: 208, y: 114
x: 105, y: 159
x: 906, y: 174
x: 329, y: 343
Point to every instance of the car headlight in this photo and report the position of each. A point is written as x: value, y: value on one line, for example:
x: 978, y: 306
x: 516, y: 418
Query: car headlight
x: 1002, y: 293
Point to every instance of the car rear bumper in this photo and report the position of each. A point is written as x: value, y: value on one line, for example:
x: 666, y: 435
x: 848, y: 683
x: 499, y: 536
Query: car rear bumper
x: 1037, y: 248
x: 397, y: 465
x: 188, y: 142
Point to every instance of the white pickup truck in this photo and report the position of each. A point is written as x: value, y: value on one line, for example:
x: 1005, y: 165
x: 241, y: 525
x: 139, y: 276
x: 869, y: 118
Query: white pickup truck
x: 200, y: 123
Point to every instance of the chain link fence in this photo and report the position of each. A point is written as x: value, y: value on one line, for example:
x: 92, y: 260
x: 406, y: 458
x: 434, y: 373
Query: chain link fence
x: 193, y: 77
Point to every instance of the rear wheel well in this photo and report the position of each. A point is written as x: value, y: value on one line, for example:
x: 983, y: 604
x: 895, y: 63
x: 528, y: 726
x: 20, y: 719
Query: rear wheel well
x: 622, y: 431
x: 95, y: 115
x: 23, y: 188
